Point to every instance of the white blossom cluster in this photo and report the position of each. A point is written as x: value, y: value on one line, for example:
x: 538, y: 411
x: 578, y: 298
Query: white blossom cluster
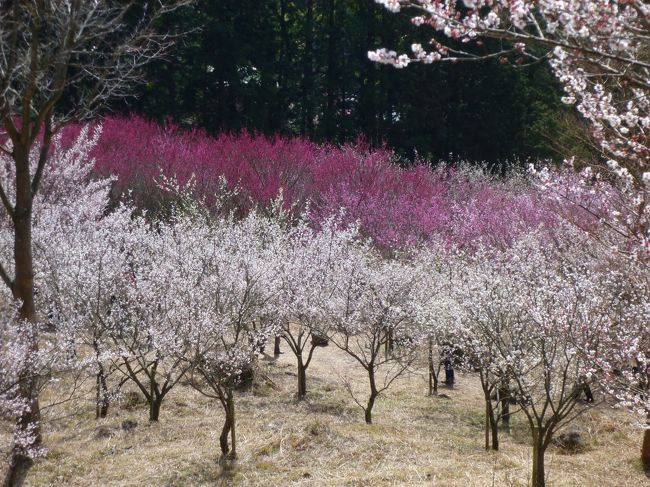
x: 548, y: 319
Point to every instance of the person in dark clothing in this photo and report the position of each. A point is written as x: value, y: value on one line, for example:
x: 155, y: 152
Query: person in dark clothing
x: 447, y: 356
x: 449, y: 373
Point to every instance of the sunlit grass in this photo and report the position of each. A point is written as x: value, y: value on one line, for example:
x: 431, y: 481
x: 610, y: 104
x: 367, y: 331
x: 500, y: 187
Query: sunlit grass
x: 416, y: 440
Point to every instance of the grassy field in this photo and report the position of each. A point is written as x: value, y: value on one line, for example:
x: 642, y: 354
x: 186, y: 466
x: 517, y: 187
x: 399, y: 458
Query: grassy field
x: 416, y: 440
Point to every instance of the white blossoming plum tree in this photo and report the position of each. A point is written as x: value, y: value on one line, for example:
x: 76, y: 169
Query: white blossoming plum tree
x: 538, y: 314
x: 156, y: 310
x: 370, y: 315
x: 435, y: 309
x: 598, y: 51
x: 306, y: 284
x: 491, y: 306
x: 236, y: 307
x: 81, y: 256
x: 59, y: 61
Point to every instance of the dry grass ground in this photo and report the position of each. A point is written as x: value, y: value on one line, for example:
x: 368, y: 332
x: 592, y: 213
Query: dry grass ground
x: 416, y: 441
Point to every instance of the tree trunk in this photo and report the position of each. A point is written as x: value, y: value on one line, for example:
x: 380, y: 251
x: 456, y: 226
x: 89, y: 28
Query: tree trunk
x: 154, y: 408
x: 28, y: 424
x: 18, y: 468
x: 372, y: 398
x: 487, y: 427
x: 307, y: 122
x: 368, y: 410
x: 225, y: 432
x: 233, y: 437
x: 538, y: 459
x: 435, y: 381
x: 23, y: 287
x: 302, y: 379
x: 494, y: 425
x: 645, y: 449
x: 389, y: 344
x: 504, y: 397
x: 228, y: 452
x: 283, y: 75
x: 367, y: 104
x: 329, y: 122
x: 491, y: 423
x: 102, y: 394
x: 223, y: 438
x: 276, y: 347
x: 433, y: 377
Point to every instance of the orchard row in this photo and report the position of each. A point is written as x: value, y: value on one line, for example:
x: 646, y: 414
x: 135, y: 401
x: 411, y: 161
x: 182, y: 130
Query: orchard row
x: 194, y: 292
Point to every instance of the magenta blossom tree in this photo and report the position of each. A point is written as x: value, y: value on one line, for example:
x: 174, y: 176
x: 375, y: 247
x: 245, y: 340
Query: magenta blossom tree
x: 396, y: 208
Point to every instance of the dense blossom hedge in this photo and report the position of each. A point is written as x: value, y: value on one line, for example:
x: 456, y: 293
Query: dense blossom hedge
x: 395, y: 206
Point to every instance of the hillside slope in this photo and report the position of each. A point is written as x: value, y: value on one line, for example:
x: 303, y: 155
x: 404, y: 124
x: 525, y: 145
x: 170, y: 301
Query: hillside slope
x: 416, y: 441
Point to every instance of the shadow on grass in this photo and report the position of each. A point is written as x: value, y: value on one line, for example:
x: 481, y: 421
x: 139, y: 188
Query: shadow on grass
x: 209, y: 472
x: 331, y: 407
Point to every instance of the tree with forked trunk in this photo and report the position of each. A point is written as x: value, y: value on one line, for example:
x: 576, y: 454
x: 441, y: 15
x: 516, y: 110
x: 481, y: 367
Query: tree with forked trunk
x: 537, y: 317
x: 236, y: 306
x: 371, y: 303
x: 218, y: 377
x: 305, y: 286
x: 489, y: 309
x: 159, y: 305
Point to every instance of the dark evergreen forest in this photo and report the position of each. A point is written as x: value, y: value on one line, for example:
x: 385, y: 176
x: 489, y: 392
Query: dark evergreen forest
x: 300, y: 67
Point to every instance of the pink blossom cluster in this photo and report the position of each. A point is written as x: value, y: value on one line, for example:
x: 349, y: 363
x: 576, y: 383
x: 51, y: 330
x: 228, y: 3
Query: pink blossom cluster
x: 596, y: 48
x: 396, y: 207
